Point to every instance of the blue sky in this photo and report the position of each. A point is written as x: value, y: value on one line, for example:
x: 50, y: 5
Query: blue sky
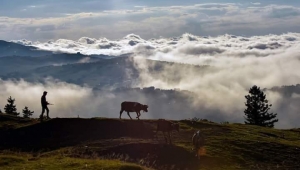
x: 44, y: 20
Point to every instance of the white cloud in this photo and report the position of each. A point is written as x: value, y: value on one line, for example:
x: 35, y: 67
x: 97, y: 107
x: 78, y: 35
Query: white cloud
x: 281, y: 11
x: 69, y: 100
x: 200, y: 19
x: 255, y: 3
x: 187, y: 44
x: 224, y: 86
x: 137, y: 6
x: 28, y: 94
x: 236, y: 63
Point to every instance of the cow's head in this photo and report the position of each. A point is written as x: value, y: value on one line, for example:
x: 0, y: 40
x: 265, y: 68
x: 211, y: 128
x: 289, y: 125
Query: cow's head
x: 145, y: 108
x: 175, y: 126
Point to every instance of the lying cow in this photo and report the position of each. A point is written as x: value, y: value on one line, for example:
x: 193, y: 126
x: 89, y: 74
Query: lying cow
x: 166, y: 126
x: 198, y: 142
x: 133, y: 107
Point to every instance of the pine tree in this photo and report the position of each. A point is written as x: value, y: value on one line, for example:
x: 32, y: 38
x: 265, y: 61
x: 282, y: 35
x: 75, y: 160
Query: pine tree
x: 11, y: 108
x: 27, y: 113
x: 257, y: 109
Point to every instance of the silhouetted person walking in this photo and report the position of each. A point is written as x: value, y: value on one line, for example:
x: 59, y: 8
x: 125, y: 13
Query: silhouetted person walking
x: 44, y: 106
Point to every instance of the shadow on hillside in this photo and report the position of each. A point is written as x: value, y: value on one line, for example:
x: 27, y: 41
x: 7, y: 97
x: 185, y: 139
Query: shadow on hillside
x: 67, y: 132
x: 156, y: 155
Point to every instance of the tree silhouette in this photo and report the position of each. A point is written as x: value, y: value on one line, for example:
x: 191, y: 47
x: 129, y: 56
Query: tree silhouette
x: 27, y: 113
x: 11, y: 108
x: 257, y: 109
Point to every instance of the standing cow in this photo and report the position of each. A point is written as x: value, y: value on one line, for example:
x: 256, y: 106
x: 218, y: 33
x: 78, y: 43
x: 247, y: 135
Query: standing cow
x: 166, y: 126
x: 133, y: 107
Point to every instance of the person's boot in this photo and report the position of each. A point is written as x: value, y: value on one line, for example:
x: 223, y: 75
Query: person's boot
x: 41, y: 118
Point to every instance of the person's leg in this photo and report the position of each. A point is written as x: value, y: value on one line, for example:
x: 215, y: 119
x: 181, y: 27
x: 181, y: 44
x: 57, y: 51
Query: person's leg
x: 42, y: 114
x: 47, y: 112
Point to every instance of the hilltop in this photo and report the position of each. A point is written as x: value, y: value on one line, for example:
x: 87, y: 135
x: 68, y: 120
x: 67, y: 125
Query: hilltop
x: 77, y: 140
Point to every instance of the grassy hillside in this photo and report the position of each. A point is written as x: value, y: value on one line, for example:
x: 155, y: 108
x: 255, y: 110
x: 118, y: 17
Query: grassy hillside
x: 132, y: 144
x: 8, y: 162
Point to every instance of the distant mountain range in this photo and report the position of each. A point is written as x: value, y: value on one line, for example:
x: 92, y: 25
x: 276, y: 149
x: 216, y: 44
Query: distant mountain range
x: 14, y: 49
x: 33, y: 65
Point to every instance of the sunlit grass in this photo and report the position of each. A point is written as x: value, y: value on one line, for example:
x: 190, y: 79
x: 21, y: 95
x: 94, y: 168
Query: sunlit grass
x: 9, y: 162
x: 237, y: 146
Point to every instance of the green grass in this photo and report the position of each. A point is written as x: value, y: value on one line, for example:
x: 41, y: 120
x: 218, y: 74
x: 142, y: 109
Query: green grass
x: 228, y: 147
x: 13, y: 122
x: 10, y: 162
x: 237, y: 146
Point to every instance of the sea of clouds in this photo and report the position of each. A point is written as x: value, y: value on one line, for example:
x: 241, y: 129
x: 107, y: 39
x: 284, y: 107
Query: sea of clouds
x: 237, y: 63
x: 188, y: 44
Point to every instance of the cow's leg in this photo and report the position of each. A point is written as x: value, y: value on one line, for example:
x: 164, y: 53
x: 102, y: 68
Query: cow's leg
x: 121, y: 112
x: 129, y: 115
x: 138, y: 115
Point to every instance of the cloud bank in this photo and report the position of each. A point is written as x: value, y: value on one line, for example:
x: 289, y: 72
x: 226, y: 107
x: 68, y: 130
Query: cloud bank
x: 187, y: 44
x: 246, y: 19
x: 71, y: 101
x: 235, y: 64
